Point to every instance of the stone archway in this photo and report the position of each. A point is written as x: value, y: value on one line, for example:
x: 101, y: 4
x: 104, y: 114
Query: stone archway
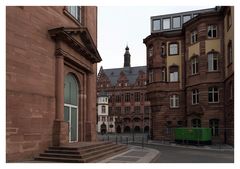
x: 127, y: 129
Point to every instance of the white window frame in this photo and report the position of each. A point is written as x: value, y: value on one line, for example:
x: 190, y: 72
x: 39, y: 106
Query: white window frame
x: 194, y: 65
x: 194, y: 37
x: 103, y: 109
x: 212, y: 57
x: 173, y: 46
x: 195, y: 93
x: 173, y: 77
x: 212, y: 28
x: 174, y: 101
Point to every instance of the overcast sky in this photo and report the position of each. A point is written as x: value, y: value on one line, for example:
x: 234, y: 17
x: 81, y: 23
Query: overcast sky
x: 122, y: 25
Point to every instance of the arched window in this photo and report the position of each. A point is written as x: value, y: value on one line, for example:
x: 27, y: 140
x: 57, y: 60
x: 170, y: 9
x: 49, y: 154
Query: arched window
x: 173, y: 73
x: 71, y: 106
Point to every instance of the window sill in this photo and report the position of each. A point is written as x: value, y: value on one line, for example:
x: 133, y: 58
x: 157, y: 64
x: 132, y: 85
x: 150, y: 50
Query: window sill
x: 214, y: 71
x: 213, y: 102
x: 72, y: 17
x: 174, y: 107
x: 194, y: 74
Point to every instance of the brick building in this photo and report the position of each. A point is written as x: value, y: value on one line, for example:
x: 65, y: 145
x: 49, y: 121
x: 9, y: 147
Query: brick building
x: 50, y: 78
x: 190, y: 72
x: 126, y: 89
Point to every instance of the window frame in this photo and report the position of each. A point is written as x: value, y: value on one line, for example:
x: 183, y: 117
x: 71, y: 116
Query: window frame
x: 174, y: 22
x: 194, y: 65
x: 77, y: 19
x: 194, y: 37
x: 213, y: 56
x: 153, y: 24
x: 195, y: 94
x: 175, y: 100
x: 163, y: 23
x: 170, y: 72
x: 169, y: 48
x: 212, y: 91
x: 212, y: 28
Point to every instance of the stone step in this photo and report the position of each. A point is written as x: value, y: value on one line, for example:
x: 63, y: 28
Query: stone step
x: 77, y: 155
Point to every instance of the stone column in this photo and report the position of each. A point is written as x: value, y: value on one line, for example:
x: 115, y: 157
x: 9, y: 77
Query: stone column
x: 60, y: 128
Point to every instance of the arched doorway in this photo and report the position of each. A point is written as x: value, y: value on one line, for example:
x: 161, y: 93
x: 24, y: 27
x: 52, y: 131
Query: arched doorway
x: 71, y: 106
x: 118, y: 129
x: 103, y: 128
x: 137, y: 129
x: 146, y: 129
x: 127, y: 129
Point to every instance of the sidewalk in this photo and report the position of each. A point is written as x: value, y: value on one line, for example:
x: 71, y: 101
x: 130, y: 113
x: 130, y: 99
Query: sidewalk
x: 215, y: 147
x: 135, y: 154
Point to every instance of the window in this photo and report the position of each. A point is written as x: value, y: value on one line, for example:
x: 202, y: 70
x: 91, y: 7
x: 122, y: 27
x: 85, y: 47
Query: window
x: 166, y: 23
x: 137, y: 109
x: 195, y: 96
x: 214, y: 125
x: 127, y: 97
x: 118, y: 98
x: 150, y: 51
x: 110, y: 110
x: 146, y: 97
x: 196, y: 123
x: 174, y: 101
x: 173, y: 74
x: 173, y: 49
x: 177, y: 22
x: 127, y: 110
x: 194, y: 63
x: 156, y: 24
x: 118, y: 110
x: 103, y: 109
x: 75, y: 12
x: 213, y: 95
x: 163, y: 49
x: 194, y: 37
x: 146, y: 109
x: 103, y: 118
x: 137, y: 96
x: 212, y: 62
x: 212, y: 31
x: 186, y: 18
x: 230, y: 58
x: 150, y: 76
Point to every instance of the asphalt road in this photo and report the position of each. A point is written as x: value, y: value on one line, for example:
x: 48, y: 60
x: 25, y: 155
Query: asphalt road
x: 184, y: 155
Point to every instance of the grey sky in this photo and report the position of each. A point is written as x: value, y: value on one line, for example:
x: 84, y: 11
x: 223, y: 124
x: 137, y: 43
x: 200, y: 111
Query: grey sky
x: 122, y: 25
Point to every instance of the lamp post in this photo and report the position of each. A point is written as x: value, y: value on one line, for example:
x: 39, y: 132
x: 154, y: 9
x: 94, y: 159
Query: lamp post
x: 133, y: 125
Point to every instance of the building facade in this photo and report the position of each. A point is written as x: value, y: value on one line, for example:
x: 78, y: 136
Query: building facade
x: 126, y: 90
x: 105, y: 123
x: 50, y: 78
x: 190, y: 72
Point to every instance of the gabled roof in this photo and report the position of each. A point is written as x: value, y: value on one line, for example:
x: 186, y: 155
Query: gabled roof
x: 87, y: 49
x: 131, y: 73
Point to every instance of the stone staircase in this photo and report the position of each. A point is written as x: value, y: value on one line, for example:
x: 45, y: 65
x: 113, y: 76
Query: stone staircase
x: 81, y: 152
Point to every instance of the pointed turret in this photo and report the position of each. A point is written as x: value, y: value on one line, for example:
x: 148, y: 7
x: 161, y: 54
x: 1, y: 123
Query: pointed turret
x: 127, y: 57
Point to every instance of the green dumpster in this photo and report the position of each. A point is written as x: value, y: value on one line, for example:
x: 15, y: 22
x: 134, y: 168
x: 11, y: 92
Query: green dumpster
x: 193, y: 135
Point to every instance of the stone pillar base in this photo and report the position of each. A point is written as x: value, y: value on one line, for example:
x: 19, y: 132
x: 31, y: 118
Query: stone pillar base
x: 60, y: 133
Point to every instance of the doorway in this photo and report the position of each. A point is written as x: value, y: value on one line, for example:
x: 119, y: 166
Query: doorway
x: 71, y: 106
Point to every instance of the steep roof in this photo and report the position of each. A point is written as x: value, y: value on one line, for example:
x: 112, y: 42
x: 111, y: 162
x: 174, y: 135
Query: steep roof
x: 131, y: 73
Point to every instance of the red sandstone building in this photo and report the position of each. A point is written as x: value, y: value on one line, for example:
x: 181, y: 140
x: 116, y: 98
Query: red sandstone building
x: 50, y: 78
x: 190, y: 68
x: 128, y: 102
